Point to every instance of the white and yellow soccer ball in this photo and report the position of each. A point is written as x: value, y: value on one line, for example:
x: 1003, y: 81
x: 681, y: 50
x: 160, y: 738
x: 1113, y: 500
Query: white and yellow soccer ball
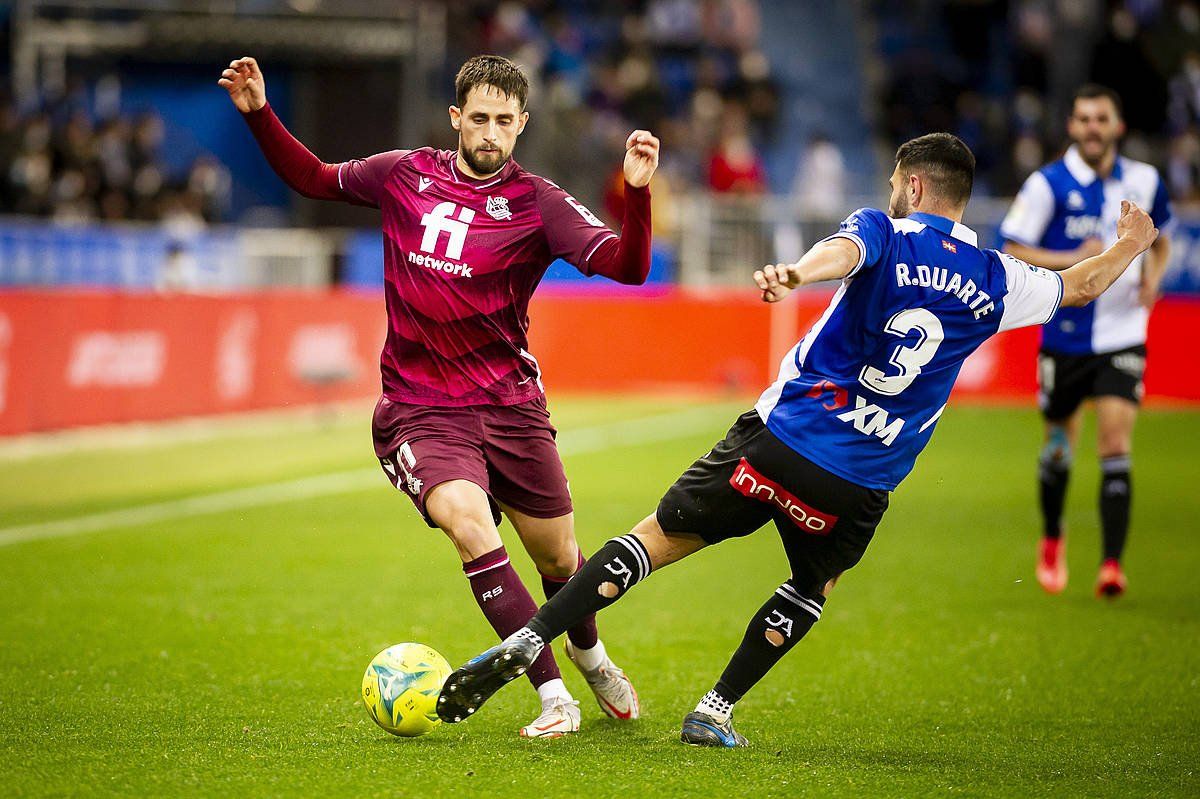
x: 401, y: 688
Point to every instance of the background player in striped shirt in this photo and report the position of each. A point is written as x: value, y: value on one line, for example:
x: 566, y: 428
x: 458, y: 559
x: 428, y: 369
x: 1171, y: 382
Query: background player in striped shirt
x: 462, y: 426
x: 1066, y: 211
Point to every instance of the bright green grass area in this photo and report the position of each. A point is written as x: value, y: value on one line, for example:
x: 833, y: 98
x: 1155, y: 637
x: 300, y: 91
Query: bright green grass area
x: 221, y: 654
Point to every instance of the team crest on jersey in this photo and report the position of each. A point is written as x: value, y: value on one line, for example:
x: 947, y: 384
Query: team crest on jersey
x: 497, y: 208
x: 1075, y: 200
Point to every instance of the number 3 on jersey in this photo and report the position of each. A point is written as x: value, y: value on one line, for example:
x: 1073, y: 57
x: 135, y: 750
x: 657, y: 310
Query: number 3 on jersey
x: 908, y: 360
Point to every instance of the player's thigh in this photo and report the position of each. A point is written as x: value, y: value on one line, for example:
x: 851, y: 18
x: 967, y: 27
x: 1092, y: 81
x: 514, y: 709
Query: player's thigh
x: 1118, y: 393
x: 422, y: 450
x: 1115, y: 419
x: 664, y: 547
x: 464, y: 512
x: 525, y: 471
x: 1064, y: 382
x: 550, y: 542
x: 712, y: 499
x: 825, y: 522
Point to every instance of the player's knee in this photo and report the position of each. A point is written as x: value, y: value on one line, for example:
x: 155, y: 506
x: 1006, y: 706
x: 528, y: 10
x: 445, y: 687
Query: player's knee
x: 563, y: 562
x: 1056, y: 452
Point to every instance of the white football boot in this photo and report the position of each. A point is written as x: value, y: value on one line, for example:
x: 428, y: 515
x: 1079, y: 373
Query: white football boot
x: 614, y: 691
x: 560, y: 716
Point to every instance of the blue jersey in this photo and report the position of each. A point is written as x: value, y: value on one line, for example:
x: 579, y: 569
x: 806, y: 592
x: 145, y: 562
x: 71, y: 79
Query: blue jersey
x: 1060, y: 206
x: 860, y: 394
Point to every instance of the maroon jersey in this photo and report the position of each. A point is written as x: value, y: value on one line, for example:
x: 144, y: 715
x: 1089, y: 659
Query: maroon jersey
x: 461, y: 260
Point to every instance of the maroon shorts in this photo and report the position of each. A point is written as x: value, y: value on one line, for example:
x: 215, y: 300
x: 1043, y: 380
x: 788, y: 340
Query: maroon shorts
x: 507, y: 450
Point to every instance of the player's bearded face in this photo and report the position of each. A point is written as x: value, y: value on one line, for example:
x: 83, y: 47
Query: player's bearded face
x: 898, y: 205
x: 1095, y: 127
x: 488, y: 125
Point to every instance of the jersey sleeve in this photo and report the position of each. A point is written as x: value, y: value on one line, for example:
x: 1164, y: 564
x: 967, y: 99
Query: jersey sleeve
x: 1033, y: 294
x: 573, y: 233
x: 1160, y: 211
x: 1031, y: 212
x: 363, y: 179
x: 870, y: 230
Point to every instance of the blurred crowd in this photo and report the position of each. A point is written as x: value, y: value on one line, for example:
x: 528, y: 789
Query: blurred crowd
x: 688, y: 70
x: 68, y: 163
x: 1001, y: 75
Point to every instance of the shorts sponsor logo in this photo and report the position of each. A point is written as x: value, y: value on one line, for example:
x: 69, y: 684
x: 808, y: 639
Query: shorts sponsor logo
x: 131, y: 359
x: 751, y: 483
x: 1130, y: 363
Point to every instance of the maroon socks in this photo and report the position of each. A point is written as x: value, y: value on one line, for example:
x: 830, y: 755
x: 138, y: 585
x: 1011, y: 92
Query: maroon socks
x: 508, y: 606
x: 583, y: 635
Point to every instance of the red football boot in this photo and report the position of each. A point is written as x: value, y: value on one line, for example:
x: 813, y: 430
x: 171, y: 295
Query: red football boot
x: 1111, y: 581
x: 1052, y: 565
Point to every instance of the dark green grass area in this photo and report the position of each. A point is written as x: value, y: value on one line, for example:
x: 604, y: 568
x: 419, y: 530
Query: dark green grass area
x: 221, y: 654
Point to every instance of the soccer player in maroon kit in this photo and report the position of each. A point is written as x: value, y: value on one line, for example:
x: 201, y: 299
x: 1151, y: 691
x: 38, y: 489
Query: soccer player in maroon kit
x: 462, y: 425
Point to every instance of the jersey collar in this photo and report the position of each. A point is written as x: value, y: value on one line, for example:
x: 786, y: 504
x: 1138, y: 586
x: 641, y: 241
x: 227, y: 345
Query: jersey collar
x: 948, y: 226
x: 459, y: 176
x: 1084, y: 175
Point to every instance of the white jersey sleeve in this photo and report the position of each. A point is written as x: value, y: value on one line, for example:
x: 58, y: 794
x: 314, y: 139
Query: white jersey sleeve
x: 1030, y: 213
x: 1033, y: 295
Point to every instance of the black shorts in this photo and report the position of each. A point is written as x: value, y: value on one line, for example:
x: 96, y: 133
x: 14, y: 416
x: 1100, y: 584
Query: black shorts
x: 1065, y: 381
x: 751, y: 477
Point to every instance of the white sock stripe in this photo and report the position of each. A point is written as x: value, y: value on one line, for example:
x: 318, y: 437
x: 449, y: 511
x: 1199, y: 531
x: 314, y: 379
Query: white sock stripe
x: 640, y: 550
x: 804, y: 603
x: 478, y: 572
x: 813, y: 607
x: 1117, y: 463
x: 639, y: 554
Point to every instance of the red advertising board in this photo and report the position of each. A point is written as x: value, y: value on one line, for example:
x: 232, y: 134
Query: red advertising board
x: 81, y: 358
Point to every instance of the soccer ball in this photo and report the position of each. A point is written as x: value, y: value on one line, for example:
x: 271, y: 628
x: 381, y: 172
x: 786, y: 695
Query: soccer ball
x: 401, y: 688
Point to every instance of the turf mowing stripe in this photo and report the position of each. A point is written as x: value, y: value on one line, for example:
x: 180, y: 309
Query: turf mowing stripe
x: 645, y: 430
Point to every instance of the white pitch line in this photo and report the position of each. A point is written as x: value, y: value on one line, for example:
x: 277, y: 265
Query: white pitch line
x: 645, y: 430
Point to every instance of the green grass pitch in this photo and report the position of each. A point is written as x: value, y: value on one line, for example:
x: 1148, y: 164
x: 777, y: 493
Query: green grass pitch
x: 220, y: 653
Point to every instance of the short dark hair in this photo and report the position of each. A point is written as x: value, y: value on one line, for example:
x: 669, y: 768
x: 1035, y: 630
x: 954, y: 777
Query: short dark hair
x: 943, y: 158
x: 491, y: 70
x: 1094, y: 91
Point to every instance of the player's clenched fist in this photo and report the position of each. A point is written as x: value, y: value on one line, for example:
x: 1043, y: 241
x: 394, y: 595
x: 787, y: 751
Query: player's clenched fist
x: 775, y: 280
x: 244, y: 82
x: 641, y: 157
x: 1136, y: 226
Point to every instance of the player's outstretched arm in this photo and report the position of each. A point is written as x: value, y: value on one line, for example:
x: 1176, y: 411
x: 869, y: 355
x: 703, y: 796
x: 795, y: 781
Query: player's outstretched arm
x: 302, y: 171
x: 832, y: 259
x: 626, y: 259
x: 1088, y: 279
x: 1054, y: 259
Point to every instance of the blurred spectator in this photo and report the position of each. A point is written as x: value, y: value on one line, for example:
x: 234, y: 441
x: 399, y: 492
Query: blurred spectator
x: 734, y: 166
x: 820, y: 185
x: 59, y: 163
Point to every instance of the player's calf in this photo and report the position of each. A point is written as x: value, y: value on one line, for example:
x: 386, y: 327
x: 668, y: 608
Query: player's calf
x: 778, y: 626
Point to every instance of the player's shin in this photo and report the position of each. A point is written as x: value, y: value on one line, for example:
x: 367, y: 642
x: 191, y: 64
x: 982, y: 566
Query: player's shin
x: 778, y: 625
x: 603, y: 579
x: 1054, y: 471
x: 507, y: 605
x: 1115, y: 499
x: 583, y: 635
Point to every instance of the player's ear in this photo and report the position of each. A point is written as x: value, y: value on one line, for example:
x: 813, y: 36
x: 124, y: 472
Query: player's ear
x: 915, y: 190
x: 455, y: 117
x: 521, y: 124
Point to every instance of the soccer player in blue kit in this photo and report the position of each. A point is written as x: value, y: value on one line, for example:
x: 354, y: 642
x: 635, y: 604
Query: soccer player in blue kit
x: 855, y: 402
x: 1066, y: 211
